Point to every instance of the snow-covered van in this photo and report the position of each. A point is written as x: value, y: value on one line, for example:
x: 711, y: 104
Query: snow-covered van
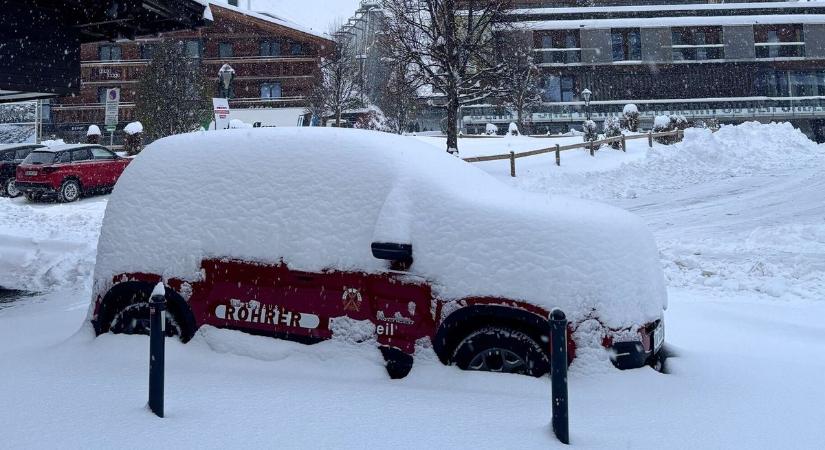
x: 310, y: 233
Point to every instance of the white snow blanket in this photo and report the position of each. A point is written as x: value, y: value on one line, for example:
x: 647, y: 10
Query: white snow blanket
x: 317, y: 198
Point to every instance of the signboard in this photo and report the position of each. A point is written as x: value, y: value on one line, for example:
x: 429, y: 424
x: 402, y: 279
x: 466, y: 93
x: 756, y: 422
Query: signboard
x: 112, y: 108
x: 220, y: 108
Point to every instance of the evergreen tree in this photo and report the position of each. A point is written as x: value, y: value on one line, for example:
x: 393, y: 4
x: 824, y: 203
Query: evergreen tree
x: 171, y: 96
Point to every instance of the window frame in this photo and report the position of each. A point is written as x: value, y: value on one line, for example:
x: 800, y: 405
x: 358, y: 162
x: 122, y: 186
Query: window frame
x: 225, y: 45
x: 106, y: 49
x: 269, y: 86
x: 629, y: 52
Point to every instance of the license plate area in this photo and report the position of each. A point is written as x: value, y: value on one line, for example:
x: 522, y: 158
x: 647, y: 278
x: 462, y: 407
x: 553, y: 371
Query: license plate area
x: 31, y: 173
x: 658, y: 336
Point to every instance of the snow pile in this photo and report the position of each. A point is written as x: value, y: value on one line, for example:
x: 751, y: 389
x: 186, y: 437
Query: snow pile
x: 630, y: 108
x: 133, y: 128
x: 661, y: 123
x: 93, y: 130
x: 319, y: 198
x: 53, y: 143
x: 513, y: 130
x: 238, y: 124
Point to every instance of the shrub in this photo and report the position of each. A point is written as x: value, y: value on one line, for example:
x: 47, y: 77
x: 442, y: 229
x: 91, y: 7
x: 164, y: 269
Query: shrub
x: 513, y: 130
x: 630, y: 118
x: 665, y: 123
x: 93, y: 135
x: 613, y: 128
x: 591, y: 131
x: 491, y: 130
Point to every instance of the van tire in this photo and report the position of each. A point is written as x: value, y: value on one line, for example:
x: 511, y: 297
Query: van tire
x: 127, y: 312
x: 69, y: 191
x: 9, y: 189
x: 501, y: 349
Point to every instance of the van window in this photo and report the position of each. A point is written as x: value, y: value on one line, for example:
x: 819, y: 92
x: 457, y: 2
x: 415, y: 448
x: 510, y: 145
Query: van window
x: 39, y: 158
x: 64, y: 157
x: 22, y: 153
x: 6, y: 156
x: 84, y: 154
x: 102, y: 153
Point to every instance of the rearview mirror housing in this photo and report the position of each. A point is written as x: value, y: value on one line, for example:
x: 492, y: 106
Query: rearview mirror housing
x: 398, y: 254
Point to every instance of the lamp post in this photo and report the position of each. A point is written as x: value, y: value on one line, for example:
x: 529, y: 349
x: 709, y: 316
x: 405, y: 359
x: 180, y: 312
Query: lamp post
x: 225, y: 77
x: 586, y: 94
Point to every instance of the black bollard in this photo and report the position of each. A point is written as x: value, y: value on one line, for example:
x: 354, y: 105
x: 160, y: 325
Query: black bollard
x: 558, y: 374
x: 157, y: 352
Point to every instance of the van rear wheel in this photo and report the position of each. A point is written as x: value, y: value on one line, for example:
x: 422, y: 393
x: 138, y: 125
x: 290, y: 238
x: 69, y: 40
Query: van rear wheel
x: 127, y: 312
x: 69, y: 191
x: 10, y: 188
x: 504, y: 350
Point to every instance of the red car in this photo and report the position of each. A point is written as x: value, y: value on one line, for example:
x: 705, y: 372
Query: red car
x: 10, y: 157
x: 69, y: 171
x: 314, y: 234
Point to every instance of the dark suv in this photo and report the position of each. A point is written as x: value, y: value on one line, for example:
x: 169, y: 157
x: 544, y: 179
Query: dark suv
x: 10, y: 157
x: 69, y: 171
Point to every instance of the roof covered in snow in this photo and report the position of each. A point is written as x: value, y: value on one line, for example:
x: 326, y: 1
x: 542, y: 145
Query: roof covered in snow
x: 656, y: 22
x: 274, y: 18
x: 317, y: 198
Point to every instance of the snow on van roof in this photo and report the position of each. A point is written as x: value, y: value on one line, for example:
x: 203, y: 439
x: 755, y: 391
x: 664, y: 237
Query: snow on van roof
x: 316, y: 198
x: 65, y: 147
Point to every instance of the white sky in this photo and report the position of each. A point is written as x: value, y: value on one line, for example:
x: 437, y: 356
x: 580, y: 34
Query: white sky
x: 315, y: 14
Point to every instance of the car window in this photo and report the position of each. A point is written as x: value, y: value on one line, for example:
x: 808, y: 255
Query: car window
x: 102, y: 153
x: 22, y: 153
x: 39, y: 158
x: 64, y: 157
x: 6, y: 156
x: 83, y: 154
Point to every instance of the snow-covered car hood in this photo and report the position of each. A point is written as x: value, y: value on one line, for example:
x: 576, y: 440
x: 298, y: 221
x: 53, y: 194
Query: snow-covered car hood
x: 317, y: 198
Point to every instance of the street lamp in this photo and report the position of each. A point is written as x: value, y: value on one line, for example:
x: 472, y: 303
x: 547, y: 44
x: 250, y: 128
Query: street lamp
x: 225, y: 77
x: 586, y: 94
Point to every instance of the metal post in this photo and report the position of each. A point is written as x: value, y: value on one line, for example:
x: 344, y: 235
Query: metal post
x: 558, y: 374
x: 111, y: 138
x: 624, y: 144
x: 558, y: 155
x: 650, y: 138
x: 592, y: 150
x: 157, y: 356
x: 512, y: 164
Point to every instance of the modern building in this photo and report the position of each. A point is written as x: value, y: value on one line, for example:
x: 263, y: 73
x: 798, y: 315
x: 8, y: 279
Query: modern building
x: 275, y: 61
x: 729, y: 62
x: 361, y: 33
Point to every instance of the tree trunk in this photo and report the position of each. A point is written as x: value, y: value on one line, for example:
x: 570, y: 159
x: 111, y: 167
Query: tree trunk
x: 452, y: 122
x: 338, y: 117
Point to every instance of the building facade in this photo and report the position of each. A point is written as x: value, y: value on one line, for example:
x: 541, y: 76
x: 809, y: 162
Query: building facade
x: 727, y: 62
x: 275, y: 62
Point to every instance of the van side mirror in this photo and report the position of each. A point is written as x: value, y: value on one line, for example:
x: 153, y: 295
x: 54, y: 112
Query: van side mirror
x: 399, y: 255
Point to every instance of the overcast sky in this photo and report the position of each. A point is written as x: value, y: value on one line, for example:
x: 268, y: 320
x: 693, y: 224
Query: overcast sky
x: 316, y: 14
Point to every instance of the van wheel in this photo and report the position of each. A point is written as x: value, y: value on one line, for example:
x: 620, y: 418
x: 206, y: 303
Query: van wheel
x: 10, y: 188
x: 498, y: 349
x: 69, y: 191
x: 127, y: 312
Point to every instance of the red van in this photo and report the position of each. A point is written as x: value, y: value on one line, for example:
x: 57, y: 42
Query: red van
x: 69, y: 171
x: 311, y: 234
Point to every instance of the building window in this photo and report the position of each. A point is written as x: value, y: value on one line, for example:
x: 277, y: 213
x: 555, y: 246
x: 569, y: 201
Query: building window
x: 779, y: 41
x: 627, y: 44
x: 110, y: 53
x: 560, y: 47
x: 271, y: 90
x: 147, y: 51
x: 270, y: 48
x: 559, y: 88
x: 697, y: 44
x: 296, y: 48
x: 194, y: 48
x: 225, y: 50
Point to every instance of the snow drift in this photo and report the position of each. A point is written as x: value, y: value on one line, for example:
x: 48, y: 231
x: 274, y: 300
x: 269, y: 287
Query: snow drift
x: 317, y: 198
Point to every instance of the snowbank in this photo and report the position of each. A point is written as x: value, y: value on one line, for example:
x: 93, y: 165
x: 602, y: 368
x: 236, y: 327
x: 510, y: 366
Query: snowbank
x: 320, y: 197
x: 93, y: 130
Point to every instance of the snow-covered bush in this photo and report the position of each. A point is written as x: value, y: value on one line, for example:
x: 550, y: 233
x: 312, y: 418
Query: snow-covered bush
x: 613, y: 128
x: 133, y: 141
x: 491, y: 129
x: 630, y: 118
x: 591, y: 131
x: 238, y: 124
x: 663, y: 124
x: 93, y: 135
x: 513, y: 130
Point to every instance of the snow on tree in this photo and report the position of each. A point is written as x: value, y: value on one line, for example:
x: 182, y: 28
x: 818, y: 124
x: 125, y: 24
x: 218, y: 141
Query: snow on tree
x: 171, y: 96
x: 519, y: 87
x: 613, y: 128
x: 451, y: 44
x: 491, y: 129
x: 630, y: 117
x: 334, y: 88
x: 513, y: 130
x: 133, y: 141
x: 590, y: 130
x: 93, y: 134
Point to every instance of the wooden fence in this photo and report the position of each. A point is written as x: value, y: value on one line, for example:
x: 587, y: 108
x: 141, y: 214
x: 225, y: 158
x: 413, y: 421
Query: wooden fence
x: 592, y: 145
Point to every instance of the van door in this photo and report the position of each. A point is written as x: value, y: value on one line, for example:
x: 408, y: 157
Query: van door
x: 402, y: 305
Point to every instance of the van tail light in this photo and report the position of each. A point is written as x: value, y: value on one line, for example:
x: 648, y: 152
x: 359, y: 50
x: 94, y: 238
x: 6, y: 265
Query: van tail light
x: 48, y: 169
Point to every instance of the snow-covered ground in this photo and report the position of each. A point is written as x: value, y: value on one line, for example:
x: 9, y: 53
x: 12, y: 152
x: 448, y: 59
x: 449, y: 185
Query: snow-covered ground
x: 740, y: 221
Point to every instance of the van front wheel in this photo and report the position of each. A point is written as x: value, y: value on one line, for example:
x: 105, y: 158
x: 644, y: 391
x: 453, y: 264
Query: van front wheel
x: 499, y: 349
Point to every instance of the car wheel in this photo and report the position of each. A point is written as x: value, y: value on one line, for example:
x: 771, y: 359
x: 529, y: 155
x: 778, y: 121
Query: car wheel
x: 10, y: 188
x: 69, y: 191
x: 134, y: 319
x: 498, y: 349
x: 128, y: 313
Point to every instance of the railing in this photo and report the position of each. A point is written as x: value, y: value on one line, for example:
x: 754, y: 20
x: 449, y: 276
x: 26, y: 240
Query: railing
x: 591, y: 145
